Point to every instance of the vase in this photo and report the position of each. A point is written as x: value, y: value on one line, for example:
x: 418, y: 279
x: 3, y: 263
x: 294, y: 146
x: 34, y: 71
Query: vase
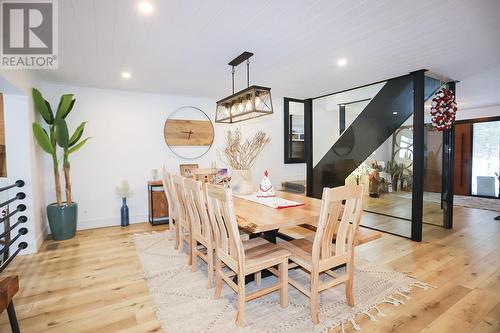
x: 241, y: 182
x: 124, y: 213
x: 62, y: 220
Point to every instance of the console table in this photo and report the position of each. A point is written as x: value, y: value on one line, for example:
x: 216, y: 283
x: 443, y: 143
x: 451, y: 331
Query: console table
x: 157, y: 203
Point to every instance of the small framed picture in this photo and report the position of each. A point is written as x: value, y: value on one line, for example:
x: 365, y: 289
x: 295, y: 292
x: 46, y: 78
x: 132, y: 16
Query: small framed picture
x: 187, y: 170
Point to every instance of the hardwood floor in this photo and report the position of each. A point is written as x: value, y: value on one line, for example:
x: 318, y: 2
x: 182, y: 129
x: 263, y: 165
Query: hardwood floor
x: 94, y: 282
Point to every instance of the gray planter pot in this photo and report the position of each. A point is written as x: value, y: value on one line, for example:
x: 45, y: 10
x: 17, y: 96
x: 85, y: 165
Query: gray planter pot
x: 62, y: 220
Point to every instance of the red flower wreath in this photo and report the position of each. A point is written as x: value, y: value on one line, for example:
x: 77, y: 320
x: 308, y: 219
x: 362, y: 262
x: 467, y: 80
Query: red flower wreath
x: 443, y: 109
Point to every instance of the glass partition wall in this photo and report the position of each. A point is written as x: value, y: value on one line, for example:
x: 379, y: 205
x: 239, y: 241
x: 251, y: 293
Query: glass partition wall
x: 375, y: 135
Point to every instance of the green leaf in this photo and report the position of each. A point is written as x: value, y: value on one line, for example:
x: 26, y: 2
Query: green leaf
x: 78, y: 146
x: 62, y: 133
x: 53, y: 136
x: 42, y: 107
x: 65, y: 105
x: 77, y: 135
x: 42, y: 138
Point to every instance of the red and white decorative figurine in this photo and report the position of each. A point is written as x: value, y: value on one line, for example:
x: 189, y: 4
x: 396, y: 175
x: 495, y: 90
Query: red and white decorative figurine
x: 443, y: 109
x: 266, y: 187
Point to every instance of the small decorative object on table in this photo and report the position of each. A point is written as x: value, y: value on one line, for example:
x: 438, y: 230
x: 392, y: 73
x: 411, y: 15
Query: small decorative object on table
x: 361, y: 170
x: 374, y: 180
x: 124, y: 191
x: 187, y: 170
x: 241, y: 156
x: 266, y: 189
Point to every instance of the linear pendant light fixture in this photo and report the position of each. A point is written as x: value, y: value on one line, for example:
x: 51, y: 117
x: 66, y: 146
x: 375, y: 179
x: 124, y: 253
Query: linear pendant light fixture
x: 249, y: 103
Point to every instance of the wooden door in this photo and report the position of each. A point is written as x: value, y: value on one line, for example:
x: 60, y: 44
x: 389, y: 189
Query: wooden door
x: 462, y: 148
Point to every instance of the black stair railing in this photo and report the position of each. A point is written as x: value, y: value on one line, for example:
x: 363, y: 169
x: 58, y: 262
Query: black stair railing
x: 383, y: 115
x: 7, y: 239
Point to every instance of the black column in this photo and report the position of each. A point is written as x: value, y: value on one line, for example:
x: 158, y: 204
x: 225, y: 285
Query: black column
x: 418, y: 155
x: 341, y: 118
x: 308, y: 143
x: 448, y: 162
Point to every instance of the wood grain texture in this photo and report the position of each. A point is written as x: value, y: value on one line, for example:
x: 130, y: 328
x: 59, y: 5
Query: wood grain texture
x: 254, y: 217
x: 95, y: 283
x: 180, y: 132
x: 462, y: 147
x: 9, y: 286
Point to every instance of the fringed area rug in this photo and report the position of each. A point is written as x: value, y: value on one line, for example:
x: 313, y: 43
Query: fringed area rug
x: 183, y: 303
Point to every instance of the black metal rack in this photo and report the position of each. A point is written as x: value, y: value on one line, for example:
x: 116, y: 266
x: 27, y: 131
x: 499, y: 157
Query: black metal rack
x: 7, y: 239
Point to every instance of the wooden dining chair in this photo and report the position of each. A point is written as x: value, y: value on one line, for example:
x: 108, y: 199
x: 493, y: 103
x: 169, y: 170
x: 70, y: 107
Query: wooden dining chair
x: 242, y: 260
x: 333, y: 244
x: 168, y: 188
x: 183, y: 224
x: 201, y: 230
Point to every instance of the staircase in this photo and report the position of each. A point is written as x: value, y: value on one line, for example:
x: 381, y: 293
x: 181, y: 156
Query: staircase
x: 385, y: 113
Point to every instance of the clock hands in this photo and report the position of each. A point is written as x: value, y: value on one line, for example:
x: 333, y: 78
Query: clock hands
x: 189, y: 133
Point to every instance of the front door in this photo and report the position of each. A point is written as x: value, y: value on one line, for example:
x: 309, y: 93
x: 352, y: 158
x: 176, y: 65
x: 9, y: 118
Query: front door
x: 462, y: 159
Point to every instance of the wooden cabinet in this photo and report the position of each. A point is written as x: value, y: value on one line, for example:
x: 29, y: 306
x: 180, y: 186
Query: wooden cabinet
x: 157, y: 203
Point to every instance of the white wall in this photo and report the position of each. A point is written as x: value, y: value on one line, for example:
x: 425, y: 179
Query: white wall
x: 480, y: 112
x: 22, y: 155
x: 127, y: 143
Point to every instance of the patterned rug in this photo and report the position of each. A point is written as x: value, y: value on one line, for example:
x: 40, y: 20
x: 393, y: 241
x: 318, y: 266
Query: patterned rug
x: 182, y: 302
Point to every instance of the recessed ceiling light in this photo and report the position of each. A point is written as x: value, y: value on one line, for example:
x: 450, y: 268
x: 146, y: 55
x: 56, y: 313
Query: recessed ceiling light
x: 341, y: 62
x: 145, y: 7
x: 394, y: 113
x: 126, y: 75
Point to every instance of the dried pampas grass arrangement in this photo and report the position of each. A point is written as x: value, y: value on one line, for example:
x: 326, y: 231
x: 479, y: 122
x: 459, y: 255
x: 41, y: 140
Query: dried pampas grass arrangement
x: 241, y: 155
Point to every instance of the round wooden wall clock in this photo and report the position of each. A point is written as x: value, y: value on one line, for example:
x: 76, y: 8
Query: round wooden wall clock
x: 189, y: 132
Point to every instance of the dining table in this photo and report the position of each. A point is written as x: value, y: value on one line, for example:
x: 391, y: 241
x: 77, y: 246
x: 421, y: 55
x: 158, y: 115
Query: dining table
x: 261, y: 220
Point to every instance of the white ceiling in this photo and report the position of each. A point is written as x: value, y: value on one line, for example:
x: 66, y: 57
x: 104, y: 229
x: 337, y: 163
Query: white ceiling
x: 184, y: 46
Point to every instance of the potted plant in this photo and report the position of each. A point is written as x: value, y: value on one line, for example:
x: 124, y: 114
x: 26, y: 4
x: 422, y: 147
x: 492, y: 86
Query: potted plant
x: 62, y: 215
x: 396, y: 171
x: 241, y: 156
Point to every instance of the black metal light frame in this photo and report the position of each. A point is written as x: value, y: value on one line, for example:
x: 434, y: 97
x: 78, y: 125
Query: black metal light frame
x: 251, y: 93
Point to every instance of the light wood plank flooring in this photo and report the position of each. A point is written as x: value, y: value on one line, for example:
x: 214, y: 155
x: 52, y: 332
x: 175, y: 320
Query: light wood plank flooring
x: 94, y: 282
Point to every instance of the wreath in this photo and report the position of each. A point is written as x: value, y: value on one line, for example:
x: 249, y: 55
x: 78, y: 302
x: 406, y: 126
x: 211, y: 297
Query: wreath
x: 443, y: 109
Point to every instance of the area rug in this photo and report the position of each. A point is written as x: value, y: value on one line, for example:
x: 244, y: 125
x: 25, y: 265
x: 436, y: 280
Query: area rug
x: 182, y: 302
x: 461, y: 200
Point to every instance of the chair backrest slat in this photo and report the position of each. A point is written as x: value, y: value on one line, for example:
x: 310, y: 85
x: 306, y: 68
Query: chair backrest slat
x: 223, y: 219
x: 339, y: 220
x: 168, y: 188
x: 180, y: 197
x: 197, y: 208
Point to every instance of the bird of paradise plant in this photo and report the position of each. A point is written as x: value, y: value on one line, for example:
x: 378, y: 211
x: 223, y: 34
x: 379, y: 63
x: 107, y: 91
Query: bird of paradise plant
x: 58, y: 135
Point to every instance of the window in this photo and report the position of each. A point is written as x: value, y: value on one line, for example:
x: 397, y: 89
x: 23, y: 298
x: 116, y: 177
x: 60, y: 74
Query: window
x: 486, y: 158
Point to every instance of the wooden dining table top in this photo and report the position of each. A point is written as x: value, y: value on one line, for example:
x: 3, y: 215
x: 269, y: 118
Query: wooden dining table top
x: 256, y: 218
